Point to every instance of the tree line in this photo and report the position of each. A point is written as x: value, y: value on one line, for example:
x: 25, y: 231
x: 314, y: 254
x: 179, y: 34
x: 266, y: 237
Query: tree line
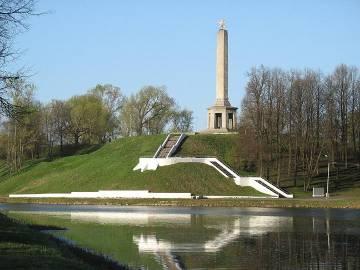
x: 291, y: 120
x: 101, y: 115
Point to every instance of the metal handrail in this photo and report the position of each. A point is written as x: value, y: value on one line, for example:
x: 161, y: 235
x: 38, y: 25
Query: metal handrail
x: 181, y: 137
x: 228, y: 168
x: 268, y: 187
x: 161, y: 145
x: 268, y: 183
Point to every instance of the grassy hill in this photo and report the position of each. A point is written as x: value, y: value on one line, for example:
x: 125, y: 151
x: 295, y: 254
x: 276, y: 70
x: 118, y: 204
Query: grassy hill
x: 224, y: 147
x: 110, y: 167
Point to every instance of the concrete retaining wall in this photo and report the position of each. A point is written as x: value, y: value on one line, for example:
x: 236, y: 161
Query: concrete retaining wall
x: 153, y: 163
x: 238, y: 197
x: 125, y: 194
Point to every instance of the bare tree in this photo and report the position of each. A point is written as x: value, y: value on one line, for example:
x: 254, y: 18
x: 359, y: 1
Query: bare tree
x: 341, y: 79
x: 13, y: 16
x: 355, y: 108
x: 254, y: 102
x: 25, y: 136
x: 60, y: 120
x: 303, y: 115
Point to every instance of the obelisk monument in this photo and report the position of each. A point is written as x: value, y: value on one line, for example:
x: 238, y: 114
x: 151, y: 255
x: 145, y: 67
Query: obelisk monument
x: 221, y: 116
x: 222, y: 66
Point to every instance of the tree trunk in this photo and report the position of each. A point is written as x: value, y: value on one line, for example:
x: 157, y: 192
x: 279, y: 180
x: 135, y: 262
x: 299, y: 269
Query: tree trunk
x: 62, y: 143
x: 76, y: 138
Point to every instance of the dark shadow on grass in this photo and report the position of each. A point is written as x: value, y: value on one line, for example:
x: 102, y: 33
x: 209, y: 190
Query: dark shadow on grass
x: 4, y: 170
x: 69, y: 150
x: 46, y: 227
x: 178, y: 149
x: 74, y: 150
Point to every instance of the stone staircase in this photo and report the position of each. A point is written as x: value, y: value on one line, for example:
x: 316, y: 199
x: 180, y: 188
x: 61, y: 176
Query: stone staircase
x: 222, y: 169
x: 264, y: 185
x: 169, y: 146
x: 269, y: 186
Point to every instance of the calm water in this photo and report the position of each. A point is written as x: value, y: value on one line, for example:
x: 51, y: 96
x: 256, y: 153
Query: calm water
x: 207, y: 238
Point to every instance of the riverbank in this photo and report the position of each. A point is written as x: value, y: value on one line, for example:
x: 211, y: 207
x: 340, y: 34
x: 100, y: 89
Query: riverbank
x: 23, y: 246
x: 333, y: 202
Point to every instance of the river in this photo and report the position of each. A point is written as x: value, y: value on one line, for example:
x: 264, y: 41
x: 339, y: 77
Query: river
x: 207, y: 238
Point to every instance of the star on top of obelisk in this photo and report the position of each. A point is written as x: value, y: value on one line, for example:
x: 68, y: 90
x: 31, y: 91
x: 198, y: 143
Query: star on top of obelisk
x: 221, y: 24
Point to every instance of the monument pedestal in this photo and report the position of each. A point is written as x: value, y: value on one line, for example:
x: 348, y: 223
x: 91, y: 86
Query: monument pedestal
x: 221, y: 119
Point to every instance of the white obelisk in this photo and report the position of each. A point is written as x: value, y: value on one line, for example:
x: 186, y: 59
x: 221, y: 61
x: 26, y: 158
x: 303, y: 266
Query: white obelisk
x: 222, y: 66
x: 221, y: 116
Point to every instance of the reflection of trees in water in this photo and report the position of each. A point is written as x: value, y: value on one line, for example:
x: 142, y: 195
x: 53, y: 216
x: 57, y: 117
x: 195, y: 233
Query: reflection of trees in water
x: 311, y: 244
x: 304, y: 251
x: 283, y: 251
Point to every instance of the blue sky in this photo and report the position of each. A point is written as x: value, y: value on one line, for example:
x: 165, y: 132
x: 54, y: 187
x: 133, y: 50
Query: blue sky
x: 132, y: 43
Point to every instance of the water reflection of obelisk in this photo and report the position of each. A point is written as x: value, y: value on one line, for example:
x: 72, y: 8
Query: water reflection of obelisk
x: 222, y: 116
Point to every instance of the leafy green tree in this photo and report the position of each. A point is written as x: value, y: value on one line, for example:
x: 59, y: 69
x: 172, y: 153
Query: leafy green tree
x: 88, y: 119
x: 182, y: 121
x: 113, y: 100
x: 147, y: 112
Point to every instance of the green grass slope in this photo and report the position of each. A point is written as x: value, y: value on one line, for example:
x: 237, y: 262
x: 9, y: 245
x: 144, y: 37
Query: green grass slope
x: 111, y: 167
x: 223, y: 146
x: 217, y: 145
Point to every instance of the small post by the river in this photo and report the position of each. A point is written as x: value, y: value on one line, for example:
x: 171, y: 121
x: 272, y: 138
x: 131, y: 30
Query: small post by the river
x: 327, y: 182
x: 328, y: 178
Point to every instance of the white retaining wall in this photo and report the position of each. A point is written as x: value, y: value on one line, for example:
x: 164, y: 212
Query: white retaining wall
x: 153, y: 163
x: 125, y: 194
x: 250, y: 181
x: 237, y: 197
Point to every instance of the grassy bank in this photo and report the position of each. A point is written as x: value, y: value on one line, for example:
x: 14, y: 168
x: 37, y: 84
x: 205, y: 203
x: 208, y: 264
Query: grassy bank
x: 333, y: 202
x: 111, y: 167
x: 25, y: 247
